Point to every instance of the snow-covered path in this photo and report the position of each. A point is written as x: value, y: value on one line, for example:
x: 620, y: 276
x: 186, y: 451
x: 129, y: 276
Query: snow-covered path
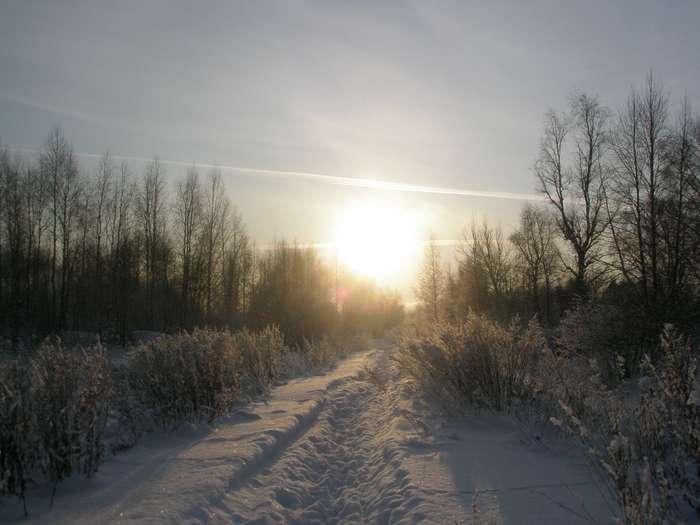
x: 344, y: 447
x: 323, y: 449
x: 345, y: 469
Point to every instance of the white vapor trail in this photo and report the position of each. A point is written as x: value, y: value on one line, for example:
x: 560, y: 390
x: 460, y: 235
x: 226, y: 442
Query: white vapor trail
x: 329, y: 179
x: 333, y: 245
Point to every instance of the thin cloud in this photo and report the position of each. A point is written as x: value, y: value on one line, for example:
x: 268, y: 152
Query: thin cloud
x: 51, y: 109
x: 335, y: 180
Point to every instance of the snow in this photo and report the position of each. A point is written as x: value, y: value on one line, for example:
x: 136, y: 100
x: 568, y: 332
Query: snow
x: 349, y: 446
x: 499, y: 474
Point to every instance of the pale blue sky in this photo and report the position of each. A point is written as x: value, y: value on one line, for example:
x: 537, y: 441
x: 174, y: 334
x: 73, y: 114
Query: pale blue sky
x: 447, y: 94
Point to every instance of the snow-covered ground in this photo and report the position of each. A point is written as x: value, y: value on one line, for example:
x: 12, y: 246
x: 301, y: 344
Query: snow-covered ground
x: 346, y: 447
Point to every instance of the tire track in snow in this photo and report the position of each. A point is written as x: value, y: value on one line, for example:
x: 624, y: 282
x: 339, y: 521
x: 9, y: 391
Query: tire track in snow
x: 344, y: 468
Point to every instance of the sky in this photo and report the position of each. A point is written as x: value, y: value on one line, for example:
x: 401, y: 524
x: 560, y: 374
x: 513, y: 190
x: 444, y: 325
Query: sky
x: 440, y: 104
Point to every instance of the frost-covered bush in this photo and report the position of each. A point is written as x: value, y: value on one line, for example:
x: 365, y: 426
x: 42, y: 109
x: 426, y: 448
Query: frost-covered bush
x: 260, y: 356
x: 59, y: 406
x: 18, y: 432
x: 478, y: 363
x: 568, y: 374
x: 668, y: 417
x: 357, y: 342
x: 647, y: 447
x: 186, y: 376
x: 73, y: 388
x: 130, y: 418
x: 295, y: 363
x: 643, y: 435
x: 53, y: 411
x: 314, y: 355
x: 319, y: 352
x: 615, y: 338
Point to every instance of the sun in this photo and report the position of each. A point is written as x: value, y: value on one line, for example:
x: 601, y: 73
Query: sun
x: 376, y: 240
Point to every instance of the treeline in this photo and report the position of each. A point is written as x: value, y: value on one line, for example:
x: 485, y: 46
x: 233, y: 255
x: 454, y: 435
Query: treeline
x: 619, y: 225
x: 111, y: 251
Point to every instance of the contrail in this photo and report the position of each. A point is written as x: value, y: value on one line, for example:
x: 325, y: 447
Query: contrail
x: 332, y: 245
x: 335, y: 180
x: 51, y: 109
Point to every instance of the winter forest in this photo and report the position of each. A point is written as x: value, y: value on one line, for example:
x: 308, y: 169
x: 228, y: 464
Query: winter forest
x: 432, y: 280
x: 111, y: 252
x: 616, y: 236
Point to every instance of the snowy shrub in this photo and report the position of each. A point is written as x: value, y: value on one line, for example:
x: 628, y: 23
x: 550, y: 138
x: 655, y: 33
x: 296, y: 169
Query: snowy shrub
x: 59, y: 406
x: 327, y: 350
x: 478, y: 363
x: 130, y: 419
x: 295, y: 363
x: 18, y: 454
x: 186, y: 376
x: 319, y: 352
x: 358, y: 342
x: 571, y: 376
x: 648, y: 449
x: 669, y: 415
x: 260, y: 356
x: 644, y: 442
x: 53, y: 410
x: 606, y: 333
x: 72, y: 389
x: 182, y: 377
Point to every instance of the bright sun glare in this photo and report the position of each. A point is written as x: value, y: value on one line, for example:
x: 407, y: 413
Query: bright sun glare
x: 376, y: 240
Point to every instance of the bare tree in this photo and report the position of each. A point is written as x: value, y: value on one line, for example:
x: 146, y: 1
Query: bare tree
x: 431, y: 281
x: 576, y: 190
x: 58, y: 166
x: 104, y: 179
x: 36, y: 196
x: 640, y: 140
x: 188, y: 214
x: 13, y: 232
x: 238, y: 265
x: 152, y: 220
x: 490, y: 251
x: 70, y: 190
x: 123, y: 265
x: 3, y: 184
x: 84, y: 309
x: 214, y: 234
x: 681, y: 245
x: 120, y: 204
x: 535, y: 243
